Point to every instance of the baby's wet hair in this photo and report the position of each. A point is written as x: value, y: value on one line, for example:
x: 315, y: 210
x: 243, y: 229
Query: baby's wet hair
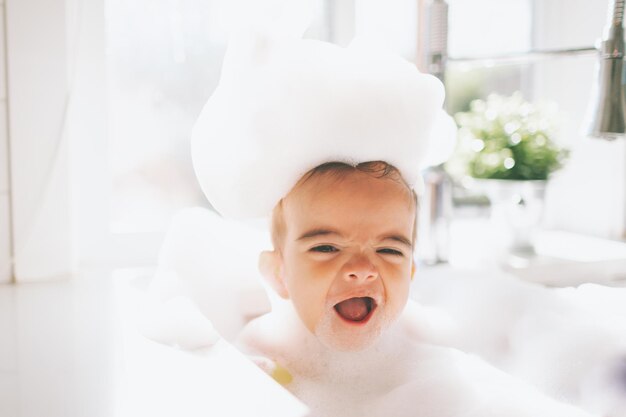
x: 339, y: 171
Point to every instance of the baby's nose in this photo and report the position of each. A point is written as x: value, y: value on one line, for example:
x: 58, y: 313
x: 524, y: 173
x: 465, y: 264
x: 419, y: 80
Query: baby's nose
x: 359, y: 267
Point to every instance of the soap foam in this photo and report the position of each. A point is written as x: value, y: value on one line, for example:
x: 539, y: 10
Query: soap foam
x: 569, y: 342
x: 396, y: 376
x: 285, y: 105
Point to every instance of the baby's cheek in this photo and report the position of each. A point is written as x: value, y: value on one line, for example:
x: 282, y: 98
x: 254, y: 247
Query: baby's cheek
x: 310, y: 300
x: 397, y: 287
x: 321, y: 269
x: 397, y: 274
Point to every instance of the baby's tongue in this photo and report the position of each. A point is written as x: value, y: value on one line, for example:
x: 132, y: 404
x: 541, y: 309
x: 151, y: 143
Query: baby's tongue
x: 354, y: 309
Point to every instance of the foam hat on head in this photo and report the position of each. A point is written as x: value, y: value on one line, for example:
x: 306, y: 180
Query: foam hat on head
x: 283, y: 107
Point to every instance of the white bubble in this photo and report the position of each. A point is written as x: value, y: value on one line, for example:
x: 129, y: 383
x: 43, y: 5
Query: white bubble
x: 511, y: 127
x: 478, y: 145
x: 515, y: 138
x: 284, y: 106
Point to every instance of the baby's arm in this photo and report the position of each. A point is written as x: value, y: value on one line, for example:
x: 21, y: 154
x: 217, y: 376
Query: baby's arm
x: 272, y: 368
x: 253, y: 342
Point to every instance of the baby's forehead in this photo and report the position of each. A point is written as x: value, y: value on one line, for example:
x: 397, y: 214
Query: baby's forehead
x: 314, y: 185
x: 341, y: 188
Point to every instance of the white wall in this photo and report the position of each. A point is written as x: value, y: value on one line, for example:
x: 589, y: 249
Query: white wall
x: 588, y: 196
x: 38, y: 95
x: 391, y: 24
x: 5, y: 218
x: 87, y: 131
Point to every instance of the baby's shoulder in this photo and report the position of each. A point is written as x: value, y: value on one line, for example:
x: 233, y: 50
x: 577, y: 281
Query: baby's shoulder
x: 269, y: 335
x: 257, y: 343
x: 424, y: 324
x: 255, y: 338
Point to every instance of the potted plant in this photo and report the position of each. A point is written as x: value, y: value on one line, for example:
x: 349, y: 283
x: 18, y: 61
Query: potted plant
x: 507, y: 146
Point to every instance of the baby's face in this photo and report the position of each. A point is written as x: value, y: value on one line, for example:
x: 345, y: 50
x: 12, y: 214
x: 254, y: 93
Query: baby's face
x: 347, y: 256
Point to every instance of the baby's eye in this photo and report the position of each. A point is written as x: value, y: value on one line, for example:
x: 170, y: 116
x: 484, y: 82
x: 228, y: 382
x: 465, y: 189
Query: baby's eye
x: 389, y: 251
x: 324, y: 249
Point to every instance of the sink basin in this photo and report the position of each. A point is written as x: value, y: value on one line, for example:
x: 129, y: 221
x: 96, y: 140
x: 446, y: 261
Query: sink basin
x: 562, y: 259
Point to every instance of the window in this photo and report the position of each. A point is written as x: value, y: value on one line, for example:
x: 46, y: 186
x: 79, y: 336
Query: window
x: 164, y: 59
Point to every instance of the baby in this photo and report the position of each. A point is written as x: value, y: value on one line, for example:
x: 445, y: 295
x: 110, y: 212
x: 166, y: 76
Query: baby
x: 347, y: 344
x: 343, y: 244
x: 330, y: 141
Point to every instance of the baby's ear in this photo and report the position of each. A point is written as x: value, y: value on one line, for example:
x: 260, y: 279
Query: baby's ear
x: 270, y: 266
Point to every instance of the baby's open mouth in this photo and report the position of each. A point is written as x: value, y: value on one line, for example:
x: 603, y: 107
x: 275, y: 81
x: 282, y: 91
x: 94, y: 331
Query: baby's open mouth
x: 356, y: 310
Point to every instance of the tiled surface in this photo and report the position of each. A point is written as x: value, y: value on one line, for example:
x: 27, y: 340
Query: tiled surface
x: 8, y: 331
x: 37, y: 51
x: 4, y: 180
x: 8, y: 351
x: 4, y: 149
x: 5, y: 273
x: 8, y: 394
x: 4, y: 165
x: 70, y: 349
x: 2, y: 53
x: 5, y: 266
x: 55, y: 350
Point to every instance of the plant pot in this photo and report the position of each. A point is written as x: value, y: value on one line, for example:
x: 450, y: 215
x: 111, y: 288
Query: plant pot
x: 516, y: 213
